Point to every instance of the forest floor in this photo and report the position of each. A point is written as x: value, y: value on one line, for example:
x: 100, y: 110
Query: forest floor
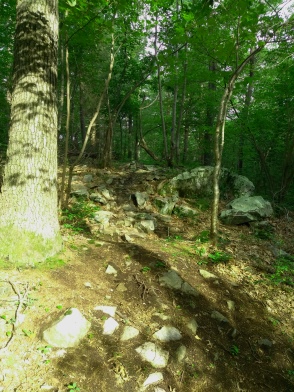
x: 253, y: 351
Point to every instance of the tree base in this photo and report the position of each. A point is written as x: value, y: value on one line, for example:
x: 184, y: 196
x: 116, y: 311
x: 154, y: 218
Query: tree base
x: 21, y: 248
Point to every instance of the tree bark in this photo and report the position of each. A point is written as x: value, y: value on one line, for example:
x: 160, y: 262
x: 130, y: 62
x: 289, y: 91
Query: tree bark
x: 219, y: 142
x: 160, y: 94
x: 29, y: 228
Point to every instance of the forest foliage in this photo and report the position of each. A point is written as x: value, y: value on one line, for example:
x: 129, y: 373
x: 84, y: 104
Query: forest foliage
x: 172, y: 61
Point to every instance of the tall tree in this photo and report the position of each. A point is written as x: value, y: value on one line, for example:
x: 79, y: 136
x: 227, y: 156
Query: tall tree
x: 29, y: 228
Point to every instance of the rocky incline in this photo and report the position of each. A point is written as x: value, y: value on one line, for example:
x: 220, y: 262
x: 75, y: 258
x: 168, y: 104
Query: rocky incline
x: 139, y: 301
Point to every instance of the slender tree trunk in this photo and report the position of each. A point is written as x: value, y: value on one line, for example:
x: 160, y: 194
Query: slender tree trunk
x: 210, y: 118
x: 130, y: 135
x: 165, y: 148
x: 62, y: 88
x: 66, y: 144
x: 244, y: 117
x: 82, y: 113
x: 92, y: 122
x: 219, y: 142
x: 29, y: 228
x: 182, y: 107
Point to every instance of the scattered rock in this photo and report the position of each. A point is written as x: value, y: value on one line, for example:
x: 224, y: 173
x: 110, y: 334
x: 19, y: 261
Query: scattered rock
x: 110, y: 270
x: 219, y: 317
x: 140, y: 199
x: 121, y: 287
x: 88, y: 178
x: 165, y: 205
x: 153, y: 378
x: 207, y: 275
x: 98, y: 198
x: 153, y: 354
x: 110, y: 326
x: 162, y: 316
x: 167, y: 333
x: 68, y: 330
x: 265, y: 343
x: 110, y: 310
x: 79, y: 190
x: 185, y: 211
x: 171, y: 279
x: 192, y: 325
x: 103, y: 217
x: 188, y: 289
x: 129, y: 333
x: 231, y: 305
x: 181, y: 353
x: 146, y: 225
x: 105, y: 193
x: 127, y: 238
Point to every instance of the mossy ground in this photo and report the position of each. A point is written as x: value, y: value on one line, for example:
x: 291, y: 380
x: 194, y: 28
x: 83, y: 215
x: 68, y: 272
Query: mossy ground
x: 21, y: 248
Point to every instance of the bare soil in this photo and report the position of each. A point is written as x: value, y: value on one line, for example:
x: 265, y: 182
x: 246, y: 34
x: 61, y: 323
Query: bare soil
x: 231, y: 357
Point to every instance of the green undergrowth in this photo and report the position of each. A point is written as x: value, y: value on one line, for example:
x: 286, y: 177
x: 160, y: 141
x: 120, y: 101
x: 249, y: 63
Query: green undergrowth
x: 197, y: 248
x: 51, y: 263
x: 76, y: 216
x: 284, y: 271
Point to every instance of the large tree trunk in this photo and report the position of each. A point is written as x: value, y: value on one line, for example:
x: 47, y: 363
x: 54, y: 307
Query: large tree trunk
x: 29, y: 228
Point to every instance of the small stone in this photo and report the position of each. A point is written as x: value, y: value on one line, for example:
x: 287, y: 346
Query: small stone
x: 88, y: 178
x: 265, y: 343
x: 111, y: 270
x: 188, y: 289
x: 207, y: 275
x: 110, y: 326
x: 153, y: 378
x: 88, y: 285
x: 98, y: 198
x: 127, y: 238
x: 121, y: 287
x: 153, y: 354
x: 129, y: 333
x: 181, y: 353
x: 219, y: 317
x: 171, y: 279
x: 44, y: 387
x: 193, y: 326
x: 146, y: 225
x: 110, y: 310
x: 79, y: 190
x: 231, y: 305
x: 166, y: 334
x: 106, y: 194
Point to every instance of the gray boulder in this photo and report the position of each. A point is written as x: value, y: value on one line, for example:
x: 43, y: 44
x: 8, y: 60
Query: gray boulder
x: 198, y: 182
x: 245, y: 210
